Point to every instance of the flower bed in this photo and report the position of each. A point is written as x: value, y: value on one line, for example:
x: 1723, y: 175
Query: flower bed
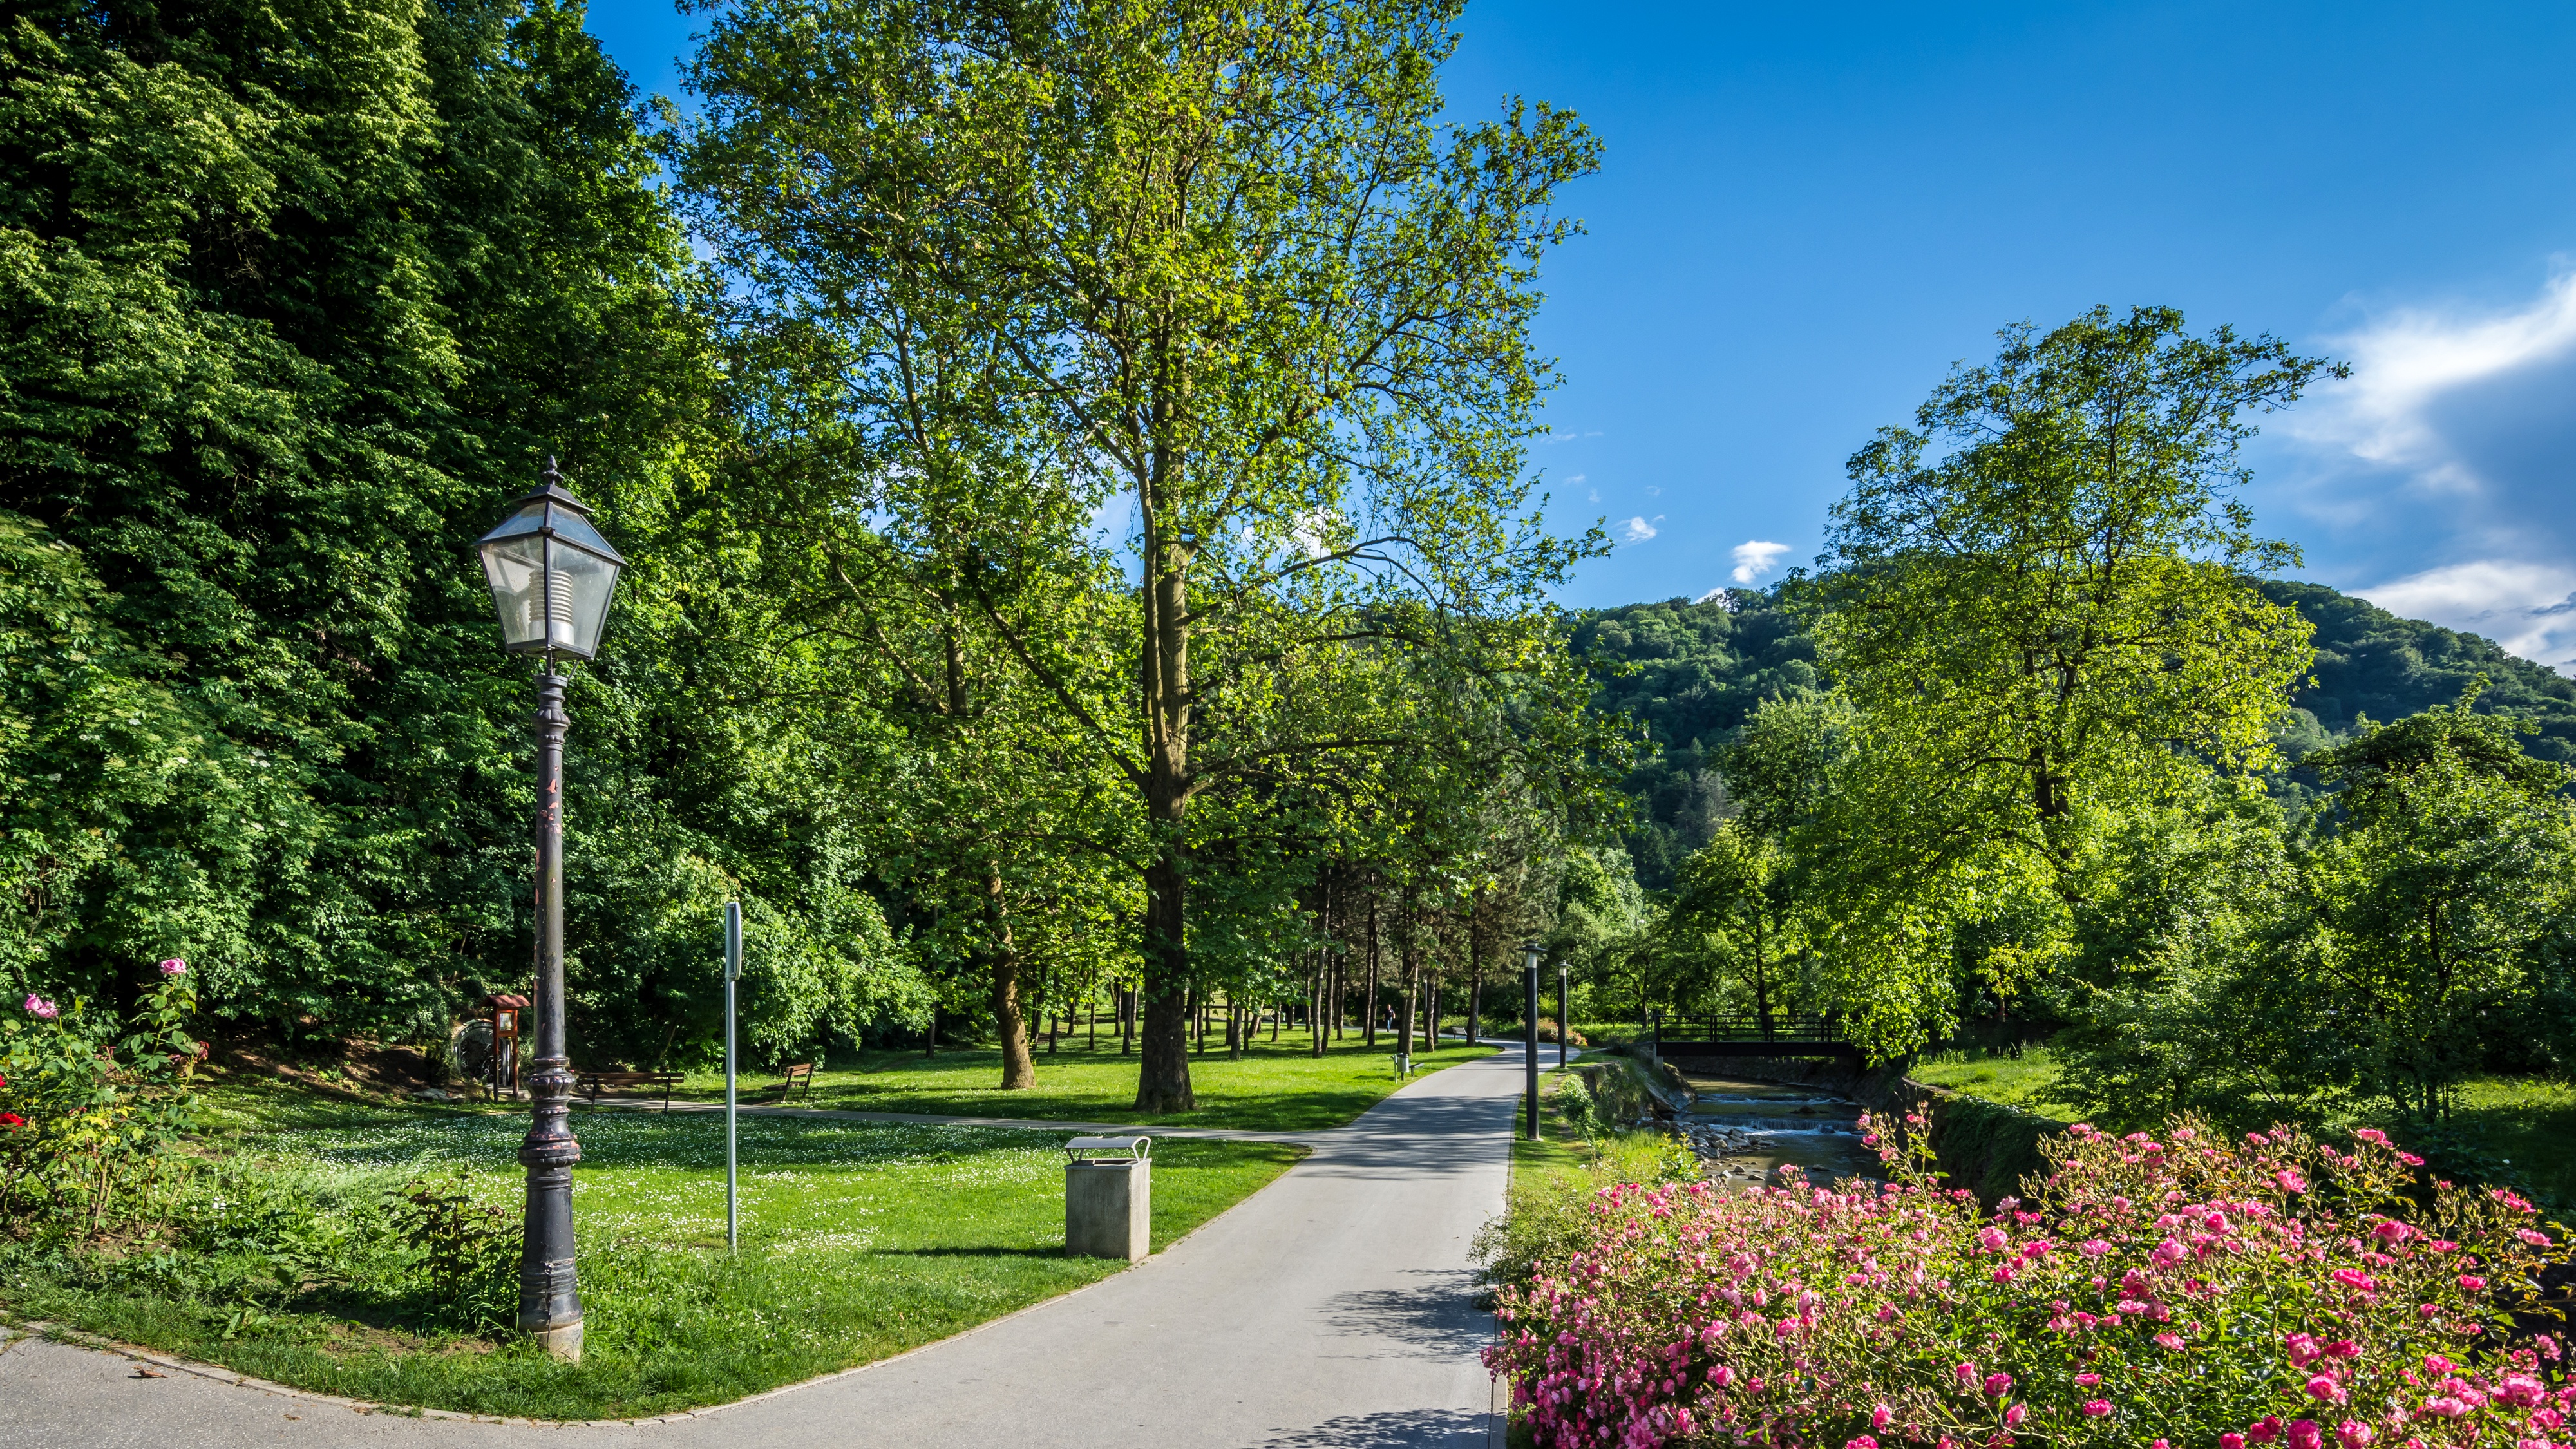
x: 2178, y: 1292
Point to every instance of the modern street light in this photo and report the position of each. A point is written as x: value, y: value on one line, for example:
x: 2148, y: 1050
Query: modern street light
x: 552, y: 578
x: 1529, y: 1037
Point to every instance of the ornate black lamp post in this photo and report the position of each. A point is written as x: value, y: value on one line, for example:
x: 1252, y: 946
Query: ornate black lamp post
x: 552, y: 577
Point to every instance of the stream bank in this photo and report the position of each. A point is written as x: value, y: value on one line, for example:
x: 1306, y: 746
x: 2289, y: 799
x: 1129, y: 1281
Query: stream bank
x: 1985, y: 1147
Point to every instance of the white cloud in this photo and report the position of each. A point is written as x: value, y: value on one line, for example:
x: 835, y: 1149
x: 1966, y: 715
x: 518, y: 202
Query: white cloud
x: 1574, y: 478
x: 1317, y: 531
x: 1755, y: 558
x: 1569, y: 437
x: 1638, y: 530
x: 2408, y: 362
x: 2529, y: 608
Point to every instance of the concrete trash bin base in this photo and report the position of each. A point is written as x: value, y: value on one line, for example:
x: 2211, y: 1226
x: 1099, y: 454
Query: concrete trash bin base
x: 1109, y: 1205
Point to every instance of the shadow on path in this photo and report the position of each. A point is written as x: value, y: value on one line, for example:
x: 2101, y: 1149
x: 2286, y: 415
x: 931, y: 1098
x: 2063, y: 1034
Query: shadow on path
x: 1403, y: 1429
x: 1435, y: 1314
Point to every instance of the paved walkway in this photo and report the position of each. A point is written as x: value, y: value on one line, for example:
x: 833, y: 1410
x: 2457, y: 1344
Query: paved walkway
x: 1333, y: 1308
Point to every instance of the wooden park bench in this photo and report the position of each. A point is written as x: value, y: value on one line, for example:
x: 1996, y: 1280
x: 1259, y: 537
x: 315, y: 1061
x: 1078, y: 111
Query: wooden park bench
x: 592, y: 1084
x: 800, y: 1080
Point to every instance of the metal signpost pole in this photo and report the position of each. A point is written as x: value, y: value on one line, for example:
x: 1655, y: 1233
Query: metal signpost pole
x: 1529, y: 1041
x: 733, y: 973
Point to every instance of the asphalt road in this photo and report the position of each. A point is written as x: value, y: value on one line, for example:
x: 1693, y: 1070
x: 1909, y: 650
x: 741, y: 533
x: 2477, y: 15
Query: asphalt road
x: 1333, y: 1308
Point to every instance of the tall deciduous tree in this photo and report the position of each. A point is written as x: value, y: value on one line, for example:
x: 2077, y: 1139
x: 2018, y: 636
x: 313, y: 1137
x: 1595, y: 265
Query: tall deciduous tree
x: 1218, y: 273
x: 2039, y: 599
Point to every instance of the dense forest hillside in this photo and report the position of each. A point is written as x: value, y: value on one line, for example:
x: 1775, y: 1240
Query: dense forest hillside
x: 1688, y: 673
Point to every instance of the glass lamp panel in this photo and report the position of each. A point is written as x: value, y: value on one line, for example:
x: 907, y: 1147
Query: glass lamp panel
x: 515, y: 568
x: 578, y: 586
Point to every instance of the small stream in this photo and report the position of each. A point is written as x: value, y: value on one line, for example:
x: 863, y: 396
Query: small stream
x: 1747, y: 1129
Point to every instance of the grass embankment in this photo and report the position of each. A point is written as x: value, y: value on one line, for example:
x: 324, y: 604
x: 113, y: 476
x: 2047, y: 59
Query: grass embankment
x: 1276, y: 1087
x: 2027, y: 1081
x: 2527, y: 1125
x: 860, y: 1240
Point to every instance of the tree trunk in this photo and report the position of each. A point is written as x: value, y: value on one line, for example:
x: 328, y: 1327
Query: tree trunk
x: 1163, y: 1077
x: 1019, y: 1072
x: 1368, y: 1024
x: 1475, y: 999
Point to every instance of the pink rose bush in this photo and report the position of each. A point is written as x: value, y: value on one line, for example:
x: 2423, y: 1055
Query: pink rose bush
x: 2176, y: 1289
x: 86, y: 1100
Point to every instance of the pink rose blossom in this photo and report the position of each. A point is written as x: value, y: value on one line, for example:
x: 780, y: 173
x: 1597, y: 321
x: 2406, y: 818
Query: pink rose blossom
x: 1997, y: 1385
x: 2096, y: 1408
x: 2354, y: 1434
x: 174, y: 967
x: 2304, y: 1434
x: 1879, y: 1417
x: 2014, y: 1415
x: 2264, y: 1430
x: 2086, y: 1381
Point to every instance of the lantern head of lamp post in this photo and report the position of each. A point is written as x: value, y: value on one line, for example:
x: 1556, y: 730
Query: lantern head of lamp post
x: 551, y: 573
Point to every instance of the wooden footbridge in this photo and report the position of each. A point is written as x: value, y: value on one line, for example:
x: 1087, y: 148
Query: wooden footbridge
x: 1750, y: 1034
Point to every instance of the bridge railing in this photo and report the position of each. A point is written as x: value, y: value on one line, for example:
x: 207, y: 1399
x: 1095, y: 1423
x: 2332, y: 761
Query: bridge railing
x: 1751, y: 1026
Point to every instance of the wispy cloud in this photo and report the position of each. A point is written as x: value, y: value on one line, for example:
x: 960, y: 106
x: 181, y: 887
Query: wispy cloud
x: 2529, y: 608
x: 2408, y: 363
x: 1573, y: 477
x: 1568, y: 437
x: 1638, y: 530
x: 1754, y: 558
x: 2448, y: 462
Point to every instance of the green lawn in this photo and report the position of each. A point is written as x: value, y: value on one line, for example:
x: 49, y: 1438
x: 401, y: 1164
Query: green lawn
x: 2021, y: 1081
x: 1277, y: 1087
x: 860, y: 1240
x: 2527, y: 1123
x: 2531, y: 1124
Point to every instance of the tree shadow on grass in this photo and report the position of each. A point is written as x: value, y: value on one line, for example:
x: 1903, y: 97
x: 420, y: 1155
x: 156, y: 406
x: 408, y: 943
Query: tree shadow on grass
x: 1051, y: 1254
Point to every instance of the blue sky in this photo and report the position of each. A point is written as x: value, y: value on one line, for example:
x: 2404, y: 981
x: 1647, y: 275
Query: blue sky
x: 1805, y: 214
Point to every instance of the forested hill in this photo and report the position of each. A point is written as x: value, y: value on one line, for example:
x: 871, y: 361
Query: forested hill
x: 1701, y: 667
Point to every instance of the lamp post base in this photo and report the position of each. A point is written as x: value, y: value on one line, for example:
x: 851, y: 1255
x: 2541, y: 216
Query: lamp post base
x: 563, y: 1341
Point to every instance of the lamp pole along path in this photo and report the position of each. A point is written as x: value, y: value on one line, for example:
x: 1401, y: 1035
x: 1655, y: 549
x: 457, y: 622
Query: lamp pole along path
x: 552, y: 577
x: 733, y: 973
x: 1562, y: 1017
x: 1529, y: 1041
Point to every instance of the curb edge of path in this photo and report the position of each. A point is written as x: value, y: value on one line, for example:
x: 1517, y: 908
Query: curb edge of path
x: 13, y: 1330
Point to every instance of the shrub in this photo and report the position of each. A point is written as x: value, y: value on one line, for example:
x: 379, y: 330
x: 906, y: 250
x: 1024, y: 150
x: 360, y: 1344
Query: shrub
x: 469, y: 1251
x: 2186, y: 1291
x: 82, y: 1109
